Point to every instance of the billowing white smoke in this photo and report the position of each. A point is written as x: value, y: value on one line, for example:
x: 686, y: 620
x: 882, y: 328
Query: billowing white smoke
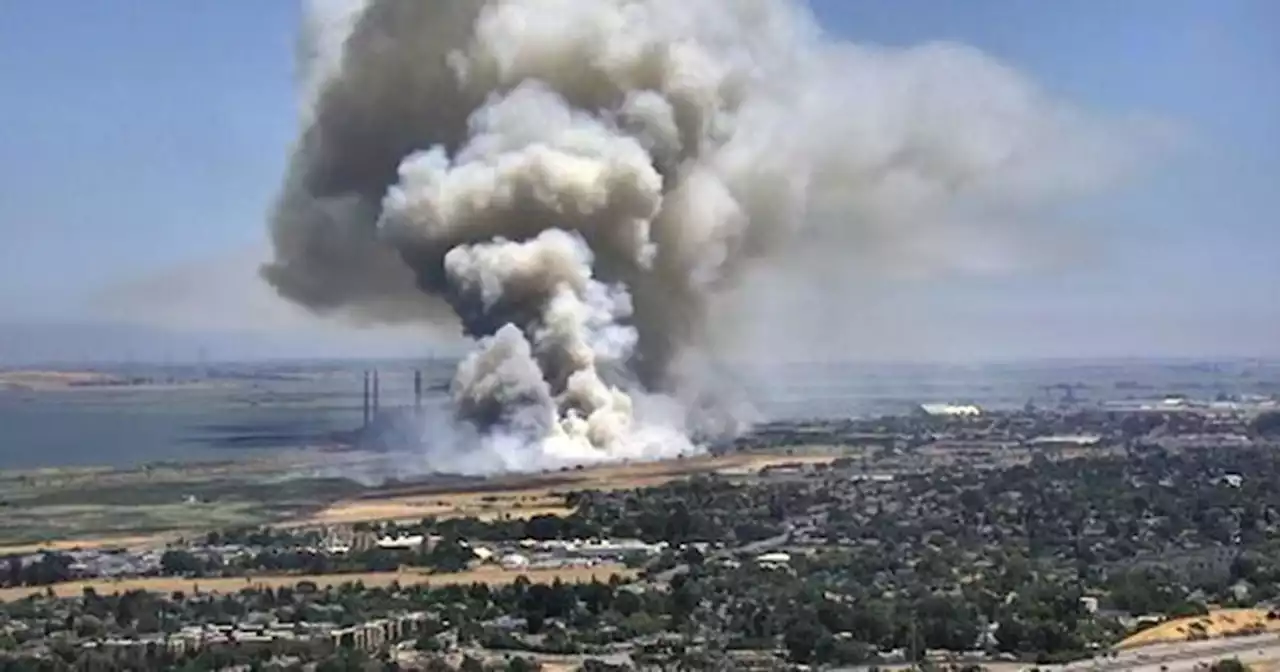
x: 576, y: 181
x: 546, y: 387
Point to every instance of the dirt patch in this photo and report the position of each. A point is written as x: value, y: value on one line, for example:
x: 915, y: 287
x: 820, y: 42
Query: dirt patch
x: 484, y: 507
x: 1219, y: 623
x: 488, y: 574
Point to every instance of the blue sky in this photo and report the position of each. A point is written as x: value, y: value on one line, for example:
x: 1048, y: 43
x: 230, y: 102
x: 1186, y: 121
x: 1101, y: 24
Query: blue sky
x: 137, y: 137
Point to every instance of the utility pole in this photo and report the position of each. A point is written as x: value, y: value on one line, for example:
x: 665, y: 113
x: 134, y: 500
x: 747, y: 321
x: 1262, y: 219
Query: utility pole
x: 365, y: 407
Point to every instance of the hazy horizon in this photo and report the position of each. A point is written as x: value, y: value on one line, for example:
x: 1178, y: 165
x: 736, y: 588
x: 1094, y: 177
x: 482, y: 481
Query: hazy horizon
x: 72, y: 344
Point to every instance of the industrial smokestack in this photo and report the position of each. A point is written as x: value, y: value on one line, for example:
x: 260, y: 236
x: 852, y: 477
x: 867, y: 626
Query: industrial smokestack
x: 375, y: 393
x: 417, y: 389
x: 365, y: 408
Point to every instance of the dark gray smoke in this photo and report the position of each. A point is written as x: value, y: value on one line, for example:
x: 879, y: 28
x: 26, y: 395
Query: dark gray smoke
x: 574, y: 181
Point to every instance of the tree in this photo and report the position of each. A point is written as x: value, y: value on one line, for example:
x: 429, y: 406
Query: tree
x: 1229, y: 665
x: 535, y: 622
x: 522, y: 665
x: 341, y: 661
x: 1266, y: 424
x: 627, y: 603
x: 802, y: 640
x: 448, y: 556
x: 14, y: 574
x: 684, y: 598
x: 90, y: 627
x: 180, y: 562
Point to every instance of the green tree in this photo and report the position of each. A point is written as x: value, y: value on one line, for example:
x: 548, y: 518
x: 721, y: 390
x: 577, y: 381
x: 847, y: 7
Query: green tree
x: 522, y: 665
x: 1266, y: 424
x: 801, y: 640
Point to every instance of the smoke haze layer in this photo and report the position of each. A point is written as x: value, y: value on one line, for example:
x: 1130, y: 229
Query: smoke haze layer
x: 574, y: 183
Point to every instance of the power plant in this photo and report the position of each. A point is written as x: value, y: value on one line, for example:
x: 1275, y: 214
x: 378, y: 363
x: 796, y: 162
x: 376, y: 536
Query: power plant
x: 372, y: 404
x: 393, y: 426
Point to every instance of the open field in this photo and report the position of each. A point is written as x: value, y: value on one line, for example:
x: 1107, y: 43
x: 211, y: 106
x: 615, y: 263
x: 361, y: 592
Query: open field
x: 119, y: 541
x: 1219, y: 623
x: 445, y: 506
x: 489, y: 574
x: 54, y: 380
x: 96, y: 507
x: 518, y: 497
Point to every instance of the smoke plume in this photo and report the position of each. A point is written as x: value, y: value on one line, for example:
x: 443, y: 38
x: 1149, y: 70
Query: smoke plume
x: 575, y: 182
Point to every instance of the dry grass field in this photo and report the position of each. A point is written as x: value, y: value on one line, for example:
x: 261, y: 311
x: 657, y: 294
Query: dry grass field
x: 35, y: 380
x: 489, y: 574
x: 88, y: 543
x: 520, y: 497
x: 74, y: 519
x: 485, y: 506
x: 1219, y: 623
x: 52, y: 380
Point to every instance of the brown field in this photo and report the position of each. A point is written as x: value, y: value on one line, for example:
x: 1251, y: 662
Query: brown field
x: 519, y: 497
x: 52, y: 380
x: 489, y: 574
x: 509, y: 497
x: 1219, y: 623
x: 457, y: 505
x: 87, y: 543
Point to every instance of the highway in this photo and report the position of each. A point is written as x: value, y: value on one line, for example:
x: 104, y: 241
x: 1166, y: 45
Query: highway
x: 1184, y: 655
x: 1178, y: 657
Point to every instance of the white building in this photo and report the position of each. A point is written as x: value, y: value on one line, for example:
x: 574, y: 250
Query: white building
x: 1065, y: 440
x: 774, y: 560
x: 514, y: 561
x: 951, y: 410
x: 403, y: 543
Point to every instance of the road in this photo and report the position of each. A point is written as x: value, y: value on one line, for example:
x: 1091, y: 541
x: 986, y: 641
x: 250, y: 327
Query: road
x: 1179, y: 657
x: 1184, y: 655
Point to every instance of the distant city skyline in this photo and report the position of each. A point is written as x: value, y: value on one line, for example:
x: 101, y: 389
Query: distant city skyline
x: 141, y: 146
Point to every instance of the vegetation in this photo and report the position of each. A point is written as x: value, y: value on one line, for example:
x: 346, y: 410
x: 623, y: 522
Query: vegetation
x: 1024, y: 553
x: 1266, y: 424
